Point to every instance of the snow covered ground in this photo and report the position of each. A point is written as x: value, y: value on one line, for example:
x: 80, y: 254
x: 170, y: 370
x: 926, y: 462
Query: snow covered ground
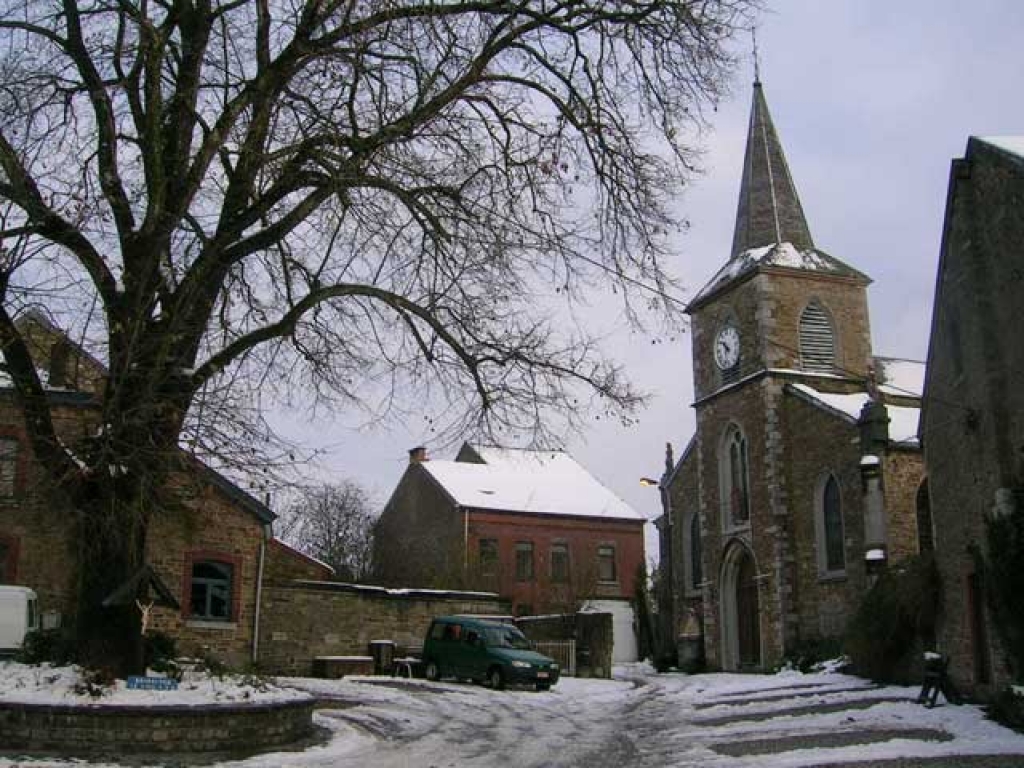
x: 638, y: 719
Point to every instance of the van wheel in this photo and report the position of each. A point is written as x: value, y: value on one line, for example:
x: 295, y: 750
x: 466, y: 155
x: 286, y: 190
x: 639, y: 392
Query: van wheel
x: 433, y: 672
x: 496, y: 678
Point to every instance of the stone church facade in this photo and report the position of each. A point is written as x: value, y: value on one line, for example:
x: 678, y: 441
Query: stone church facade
x: 804, y: 474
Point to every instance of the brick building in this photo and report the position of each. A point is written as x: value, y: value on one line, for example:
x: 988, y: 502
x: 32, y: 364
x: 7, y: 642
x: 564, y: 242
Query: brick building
x: 211, y: 553
x: 533, y: 526
x: 804, y: 470
x: 972, y: 423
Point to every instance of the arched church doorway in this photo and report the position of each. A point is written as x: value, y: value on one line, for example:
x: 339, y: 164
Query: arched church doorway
x: 741, y: 610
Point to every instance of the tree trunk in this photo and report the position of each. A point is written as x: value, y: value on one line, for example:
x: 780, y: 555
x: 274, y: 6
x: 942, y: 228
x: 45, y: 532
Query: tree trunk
x: 109, y: 546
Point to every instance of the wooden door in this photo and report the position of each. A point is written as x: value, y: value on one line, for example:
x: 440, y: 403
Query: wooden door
x: 748, y: 620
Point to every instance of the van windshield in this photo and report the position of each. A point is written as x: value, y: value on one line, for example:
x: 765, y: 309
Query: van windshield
x: 507, y: 637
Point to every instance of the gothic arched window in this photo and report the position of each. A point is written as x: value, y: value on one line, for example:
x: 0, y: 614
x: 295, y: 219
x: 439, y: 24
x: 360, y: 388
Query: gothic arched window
x: 696, y: 572
x: 925, y: 540
x: 817, y: 339
x: 734, y: 474
x: 831, y: 544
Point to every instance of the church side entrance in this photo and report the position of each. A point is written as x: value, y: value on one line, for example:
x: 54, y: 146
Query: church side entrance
x: 741, y: 624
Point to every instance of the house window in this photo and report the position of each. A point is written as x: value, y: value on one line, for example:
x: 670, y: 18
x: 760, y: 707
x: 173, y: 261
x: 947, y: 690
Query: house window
x: 6, y: 562
x: 524, y: 561
x: 8, y: 466
x: 696, y: 570
x: 831, y: 547
x: 817, y: 340
x: 211, y: 590
x: 559, y: 563
x: 606, y: 563
x: 734, y: 473
x: 488, y: 556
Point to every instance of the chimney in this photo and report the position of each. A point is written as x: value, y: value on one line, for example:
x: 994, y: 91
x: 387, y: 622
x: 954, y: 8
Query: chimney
x: 58, y: 369
x: 418, y: 455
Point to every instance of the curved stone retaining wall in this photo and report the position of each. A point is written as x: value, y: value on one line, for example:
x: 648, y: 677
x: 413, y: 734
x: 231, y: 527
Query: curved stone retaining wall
x: 122, y: 729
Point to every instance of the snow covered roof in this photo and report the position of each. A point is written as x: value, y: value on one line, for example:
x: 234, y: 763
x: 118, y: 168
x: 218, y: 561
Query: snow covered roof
x: 1012, y: 144
x: 903, y: 378
x: 902, y: 419
x: 537, y: 482
x: 783, y: 254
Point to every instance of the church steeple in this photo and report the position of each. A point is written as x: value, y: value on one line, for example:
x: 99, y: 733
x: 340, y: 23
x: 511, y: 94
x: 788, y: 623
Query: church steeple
x: 769, y: 209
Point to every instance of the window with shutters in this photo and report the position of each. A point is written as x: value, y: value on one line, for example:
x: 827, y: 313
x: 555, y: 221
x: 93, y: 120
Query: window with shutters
x: 817, y: 339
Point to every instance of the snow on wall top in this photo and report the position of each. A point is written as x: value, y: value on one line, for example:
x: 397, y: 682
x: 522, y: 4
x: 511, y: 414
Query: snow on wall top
x: 538, y: 482
x: 1012, y: 144
x: 904, y: 378
x: 902, y: 419
x: 775, y: 255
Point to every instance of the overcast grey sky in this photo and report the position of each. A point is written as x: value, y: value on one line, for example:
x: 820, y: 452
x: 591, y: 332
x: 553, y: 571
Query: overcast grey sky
x: 872, y: 99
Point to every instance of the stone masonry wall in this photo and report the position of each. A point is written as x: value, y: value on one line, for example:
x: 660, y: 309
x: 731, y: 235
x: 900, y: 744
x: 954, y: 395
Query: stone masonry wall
x: 303, y: 620
x: 822, y: 443
x: 117, y: 730
x: 974, y: 420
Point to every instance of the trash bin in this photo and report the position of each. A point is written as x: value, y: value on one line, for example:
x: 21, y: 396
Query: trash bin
x: 383, y: 653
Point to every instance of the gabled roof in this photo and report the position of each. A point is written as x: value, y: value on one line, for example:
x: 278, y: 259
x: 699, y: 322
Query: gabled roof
x: 35, y: 318
x: 900, y: 377
x: 534, y: 482
x: 783, y: 255
x: 903, y: 420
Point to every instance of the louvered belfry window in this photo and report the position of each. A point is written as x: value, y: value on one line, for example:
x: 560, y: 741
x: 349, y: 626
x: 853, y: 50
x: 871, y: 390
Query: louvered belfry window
x: 817, y: 340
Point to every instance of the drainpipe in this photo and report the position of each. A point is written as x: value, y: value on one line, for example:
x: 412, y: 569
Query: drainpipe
x: 268, y: 532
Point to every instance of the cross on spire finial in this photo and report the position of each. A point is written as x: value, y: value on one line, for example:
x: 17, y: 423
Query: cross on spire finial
x: 757, y: 63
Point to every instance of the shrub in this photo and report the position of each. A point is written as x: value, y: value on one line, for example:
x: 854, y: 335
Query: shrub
x: 1003, y: 569
x: 159, y: 647
x: 1007, y: 708
x: 895, y: 618
x: 808, y: 655
x: 94, y: 682
x: 54, y: 646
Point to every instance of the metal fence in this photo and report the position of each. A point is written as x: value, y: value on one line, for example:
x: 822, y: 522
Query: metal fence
x: 564, y: 652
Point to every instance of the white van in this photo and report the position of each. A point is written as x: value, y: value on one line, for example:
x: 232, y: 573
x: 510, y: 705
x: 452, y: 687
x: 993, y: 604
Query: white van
x: 19, y: 614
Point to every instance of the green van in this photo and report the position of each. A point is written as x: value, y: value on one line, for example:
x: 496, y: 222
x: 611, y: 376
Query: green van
x: 483, y: 650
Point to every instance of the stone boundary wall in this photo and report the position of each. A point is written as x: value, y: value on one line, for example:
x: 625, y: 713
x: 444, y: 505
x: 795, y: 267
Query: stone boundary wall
x: 302, y: 620
x: 95, y: 730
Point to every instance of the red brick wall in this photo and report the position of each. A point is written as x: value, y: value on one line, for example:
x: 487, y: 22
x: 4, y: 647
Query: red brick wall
x: 583, y: 536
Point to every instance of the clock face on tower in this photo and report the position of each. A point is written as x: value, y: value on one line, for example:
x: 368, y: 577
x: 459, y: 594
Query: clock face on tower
x: 727, y: 348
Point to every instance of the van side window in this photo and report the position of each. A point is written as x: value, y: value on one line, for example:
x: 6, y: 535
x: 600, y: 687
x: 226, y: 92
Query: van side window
x: 437, y: 631
x: 470, y: 637
x: 452, y: 632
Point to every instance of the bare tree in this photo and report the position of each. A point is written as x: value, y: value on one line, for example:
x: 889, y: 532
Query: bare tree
x: 334, y: 524
x: 227, y: 199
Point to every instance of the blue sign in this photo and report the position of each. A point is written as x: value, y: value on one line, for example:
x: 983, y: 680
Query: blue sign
x: 152, y: 684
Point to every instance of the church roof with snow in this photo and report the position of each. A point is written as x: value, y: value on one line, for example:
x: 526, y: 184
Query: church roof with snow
x: 534, y: 482
x: 771, y: 228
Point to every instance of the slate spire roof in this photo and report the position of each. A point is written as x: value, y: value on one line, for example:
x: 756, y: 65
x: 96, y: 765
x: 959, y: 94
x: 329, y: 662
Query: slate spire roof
x: 769, y: 209
x: 771, y: 229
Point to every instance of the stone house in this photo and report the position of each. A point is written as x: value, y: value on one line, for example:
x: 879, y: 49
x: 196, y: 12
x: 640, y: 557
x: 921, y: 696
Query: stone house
x: 972, y: 424
x: 533, y: 526
x: 213, y: 554
x: 804, y: 471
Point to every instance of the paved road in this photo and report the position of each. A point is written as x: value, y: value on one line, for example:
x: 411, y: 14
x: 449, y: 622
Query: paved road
x: 648, y: 720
